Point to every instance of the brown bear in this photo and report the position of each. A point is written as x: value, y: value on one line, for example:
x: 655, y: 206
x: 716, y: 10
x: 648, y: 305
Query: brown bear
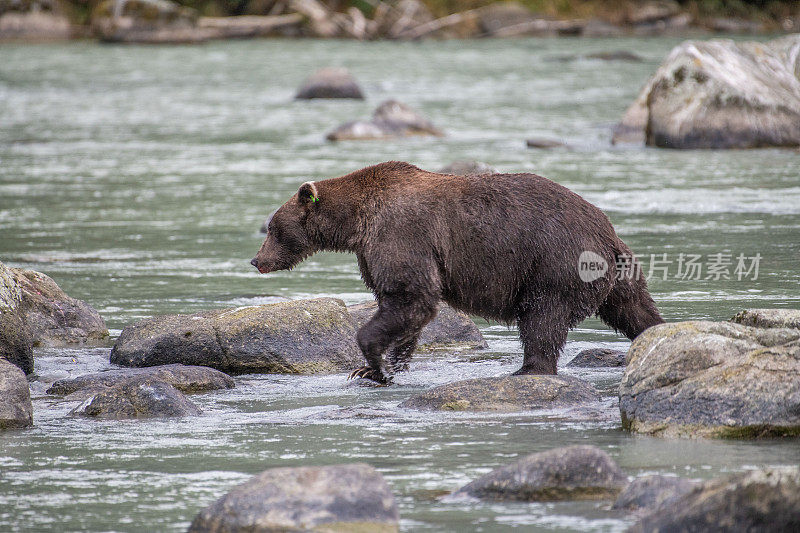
x: 508, y: 247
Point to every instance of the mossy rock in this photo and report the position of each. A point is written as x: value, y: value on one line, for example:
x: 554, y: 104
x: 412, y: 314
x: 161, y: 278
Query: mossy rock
x: 505, y: 394
x: 298, y: 337
x: 713, y: 379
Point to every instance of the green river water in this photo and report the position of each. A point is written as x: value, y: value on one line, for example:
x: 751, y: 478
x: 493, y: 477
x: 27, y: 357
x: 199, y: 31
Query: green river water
x: 138, y: 177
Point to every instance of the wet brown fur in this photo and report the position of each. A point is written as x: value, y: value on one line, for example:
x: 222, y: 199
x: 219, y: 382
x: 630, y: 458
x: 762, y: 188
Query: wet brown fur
x: 501, y: 246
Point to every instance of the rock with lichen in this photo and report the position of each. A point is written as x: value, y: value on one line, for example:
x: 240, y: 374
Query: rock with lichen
x: 297, y: 337
x: 712, y: 379
x: 505, y: 394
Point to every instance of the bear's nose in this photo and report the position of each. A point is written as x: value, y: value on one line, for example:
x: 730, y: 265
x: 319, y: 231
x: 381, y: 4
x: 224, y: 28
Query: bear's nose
x: 254, y: 262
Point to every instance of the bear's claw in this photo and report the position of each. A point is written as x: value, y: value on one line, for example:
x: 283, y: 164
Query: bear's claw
x: 367, y: 372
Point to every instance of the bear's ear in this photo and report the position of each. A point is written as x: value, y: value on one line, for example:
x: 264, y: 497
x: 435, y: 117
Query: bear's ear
x: 307, y: 194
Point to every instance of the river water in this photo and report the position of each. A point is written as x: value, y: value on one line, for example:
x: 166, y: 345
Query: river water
x: 137, y: 177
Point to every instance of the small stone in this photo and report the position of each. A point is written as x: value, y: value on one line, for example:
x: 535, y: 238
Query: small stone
x: 351, y: 497
x: 16, y: 410
x: 598, y: 357
x: 391, y: 119
x: 138, y: 398
x: 571, y: 473
x: 506, y: 394
x: 539, y: 142
x: 330, y: 83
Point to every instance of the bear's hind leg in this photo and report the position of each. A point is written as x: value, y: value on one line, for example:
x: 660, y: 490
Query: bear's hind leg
x: 543, y: 332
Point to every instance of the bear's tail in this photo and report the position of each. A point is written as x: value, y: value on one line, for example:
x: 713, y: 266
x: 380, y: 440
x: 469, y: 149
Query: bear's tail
x: 629, y: 308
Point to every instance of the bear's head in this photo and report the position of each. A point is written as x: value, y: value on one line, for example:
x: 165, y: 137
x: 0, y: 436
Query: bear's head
x: 287, y: 242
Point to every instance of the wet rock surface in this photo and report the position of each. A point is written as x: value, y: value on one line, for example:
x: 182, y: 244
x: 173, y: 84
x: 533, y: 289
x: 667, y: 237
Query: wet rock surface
x: 571, y: 473
x: 391, y: 119
x: 648, y: 493
x: 187, y: 379
x: 51, y: 317
x: 138, y: 398
x: 450, y: 329
x: 330, y: 83
x: 768, y: 318
x: 351, y: 497
x: 505, y: 394
x: 760, y: 500
x: 597, y: 358
x: 15, y: 397
x: 16, y: 344
x: 298, y: 337
x: 711, y: 379
x: 719, y: 94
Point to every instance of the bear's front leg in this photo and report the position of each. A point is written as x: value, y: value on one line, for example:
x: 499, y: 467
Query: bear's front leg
x: 397, y: 321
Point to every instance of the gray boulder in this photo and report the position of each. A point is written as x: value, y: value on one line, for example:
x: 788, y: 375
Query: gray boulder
x: 51, y: 317
x: 720, y: 94
x: 390, y: 120
x: 330, y: 83
x: 505, y: 394
x: 768, y: 318
x: 298, y: 337
x: 187, y: 379
x: 16, y: 344
x: 571, y: 473
x: 450, y: 329
x: 711, y: 379
x: 351, y: 497
x: 466, y: 168
x: 760, y: 500
x: 137, y: 398
x: 15, y: 397
x: 598, y: 357
x: 648, y: 493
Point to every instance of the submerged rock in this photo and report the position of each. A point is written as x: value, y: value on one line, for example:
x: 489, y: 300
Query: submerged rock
x: 138, y: 398
x: 720, y: 94
x: 16, y: 410
x: 710, y: 379
x: 507, y: 393
x: 648, y: 493
x: 351, y: 497
x: 391, y: 119
x: 297, y: 337
x: 760, y: 500
x: 330, y: 83
x: 598, y: 357
x: 450, y: 329
x: 571, y: 473
x: 466, y: 168
x: 51, y: 317
x: 187, y: 379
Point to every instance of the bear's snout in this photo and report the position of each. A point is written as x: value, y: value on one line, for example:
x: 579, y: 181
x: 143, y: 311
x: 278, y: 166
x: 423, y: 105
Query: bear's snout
x: 254, y: 262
